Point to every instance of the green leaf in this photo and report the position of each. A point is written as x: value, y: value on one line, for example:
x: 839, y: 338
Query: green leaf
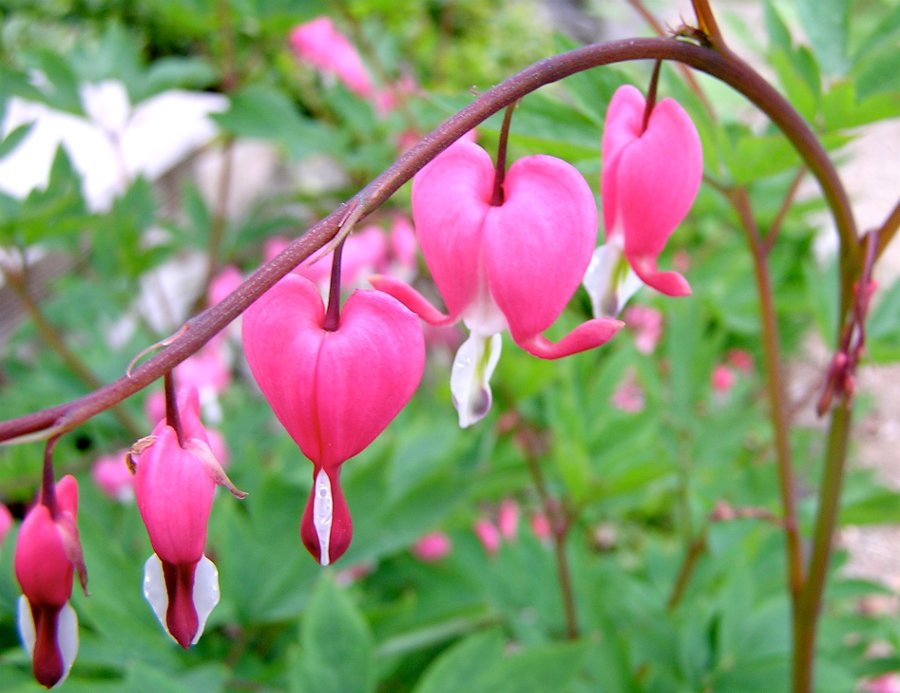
x: 881, y: 507
x: 536, y: 670
x: 758, y: 156
x: 827, y: 24
x: 462, y: 666
x: 337, y: 648
x: 267, y: 113
x: 14, y: 139
x: 174, y: 73
x: 779, y: 34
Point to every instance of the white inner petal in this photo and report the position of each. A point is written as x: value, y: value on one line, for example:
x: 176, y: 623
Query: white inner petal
x: 471, y: 374
x: 26, y: 625
x: 205, y: 594
x: 323, y: 514
x: 155, y: 589
x: 67, y: 639
x: 609, y: 281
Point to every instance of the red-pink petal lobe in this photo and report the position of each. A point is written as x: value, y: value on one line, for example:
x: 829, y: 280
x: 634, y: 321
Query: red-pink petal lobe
x: 586, y: 336
x: 450, y: 198
x: 412, y: 299
x: 47, y: 660
x: 42, y: 565
x: 623, y: 125
x: 656, y: 180
x: 538, y: 243
x: 336, y: 391
x: 181, y: 616
x: 282, y: 336
x: 367, y: 371
x: 174, y: 494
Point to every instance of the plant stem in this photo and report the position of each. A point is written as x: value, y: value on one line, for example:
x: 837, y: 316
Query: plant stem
x: 783, y: 210
x: 695, y: 550
x: 888, y: 230
x: 500, y: 170
x: 333, y: 312
x: 52, y: 337
x: 826, y: 520
x: 651, y: 95
x: 200, y: 329
x: 173, y: 418
x: 48, y: 480
x: 776, y: 395
x: 560, y: 524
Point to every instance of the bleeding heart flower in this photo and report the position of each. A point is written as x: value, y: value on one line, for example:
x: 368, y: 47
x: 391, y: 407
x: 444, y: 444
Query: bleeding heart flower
x: 651, y: 174
x: 334, y: 391
x: 432, y: 547
x: 48, y: 553
x: 319, y: 43
x: 512, y: 265
x: 174, y: 484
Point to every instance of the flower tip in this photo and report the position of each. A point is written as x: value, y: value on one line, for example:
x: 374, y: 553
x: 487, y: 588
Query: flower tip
x: 668, y: 283
x: 326, y: 529
x: 587, y: 335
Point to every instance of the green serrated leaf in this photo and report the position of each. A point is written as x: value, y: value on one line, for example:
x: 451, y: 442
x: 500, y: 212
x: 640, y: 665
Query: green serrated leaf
x: 336, y: 645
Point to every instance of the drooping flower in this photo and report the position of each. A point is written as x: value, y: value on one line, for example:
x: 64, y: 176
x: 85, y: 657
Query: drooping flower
x: 629, y: 395
x: 320, y: 44
x: 651, y: 174
x: 333, y: 390
x: 512, y: 265
x: 174, y: 484
x: 48, y: 554
x: 508, y: 519
x: 540, y: 526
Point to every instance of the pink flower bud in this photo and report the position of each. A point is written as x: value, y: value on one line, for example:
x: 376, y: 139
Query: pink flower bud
x: 740, y: 359
x: 508, y: 519
x: 432, y: 547
x: 723, y: 379
x: 334, y: 391
x: 647, y: 324
x: 6, y: 522
x: 112, y: 476
x: 48, y: 554
x: 224, y: 283
x: 488, y: 535
x: 629, y: 396
x: 540, y: 526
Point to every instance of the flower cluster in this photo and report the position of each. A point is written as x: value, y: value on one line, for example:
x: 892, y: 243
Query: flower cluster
x: 507, y: 251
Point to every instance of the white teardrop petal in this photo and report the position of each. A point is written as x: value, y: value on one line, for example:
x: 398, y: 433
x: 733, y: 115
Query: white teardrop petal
x: 470, y: 377
x: 609, y: 280
x: 155, y: 589
x: 323, y: 514
x: 206, y: 593
x: 67, y: 639
x: 26, y: 625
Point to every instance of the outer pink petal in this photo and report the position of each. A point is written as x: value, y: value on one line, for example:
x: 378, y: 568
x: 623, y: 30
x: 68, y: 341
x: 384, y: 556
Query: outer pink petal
x: 538, y: 243
x: 412, y: 299
x: 586, y: 336
x: 42, y: 566
x: 174, y: 494
x: 450, y: 199
x: 282, y: 335
x: 366, y: 372
x: 624, y: 119
x: 341, y: 523
x: 657, y: 180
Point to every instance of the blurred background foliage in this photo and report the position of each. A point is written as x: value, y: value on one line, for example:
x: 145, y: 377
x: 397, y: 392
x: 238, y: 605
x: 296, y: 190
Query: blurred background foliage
x: 659, y: 460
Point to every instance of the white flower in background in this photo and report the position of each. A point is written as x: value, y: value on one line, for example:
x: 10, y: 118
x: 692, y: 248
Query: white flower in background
x: 115, y: 143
